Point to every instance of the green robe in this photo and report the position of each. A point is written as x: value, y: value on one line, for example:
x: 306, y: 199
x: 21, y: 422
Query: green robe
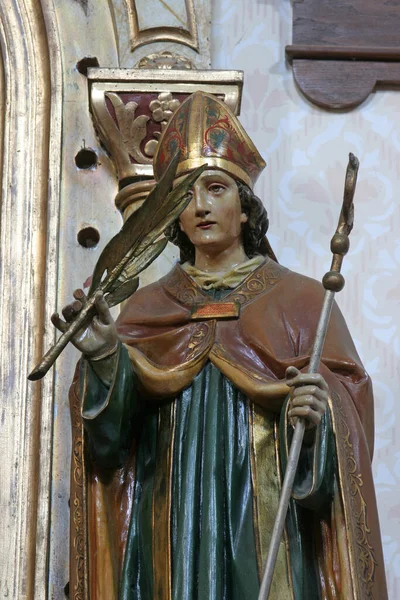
x: 213, y: 554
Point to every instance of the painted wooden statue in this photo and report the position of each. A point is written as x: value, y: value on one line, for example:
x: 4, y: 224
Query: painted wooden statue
x: 182, y: 415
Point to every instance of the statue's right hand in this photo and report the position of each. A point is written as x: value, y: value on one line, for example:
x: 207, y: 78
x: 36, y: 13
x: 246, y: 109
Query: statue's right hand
x: 100, y: 337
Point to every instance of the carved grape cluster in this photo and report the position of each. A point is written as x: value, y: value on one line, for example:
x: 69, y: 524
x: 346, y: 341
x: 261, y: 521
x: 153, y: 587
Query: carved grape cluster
x: 162, y: 110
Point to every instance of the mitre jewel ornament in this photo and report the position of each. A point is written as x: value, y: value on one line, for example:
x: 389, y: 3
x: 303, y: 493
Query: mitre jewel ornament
x: 206, y: 131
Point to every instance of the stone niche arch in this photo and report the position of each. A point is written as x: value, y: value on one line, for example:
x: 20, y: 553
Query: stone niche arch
x: 47, y: 199
x: 30, y: 87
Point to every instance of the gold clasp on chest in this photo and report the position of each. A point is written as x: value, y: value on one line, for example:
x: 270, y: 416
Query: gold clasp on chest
x: 215, y: 310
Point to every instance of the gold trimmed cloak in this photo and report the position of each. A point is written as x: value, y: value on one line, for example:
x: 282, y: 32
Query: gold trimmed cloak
x: 279, y: 311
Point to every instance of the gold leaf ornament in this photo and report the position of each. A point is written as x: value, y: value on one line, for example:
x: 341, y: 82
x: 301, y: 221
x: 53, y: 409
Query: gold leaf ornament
x: 133, y: 129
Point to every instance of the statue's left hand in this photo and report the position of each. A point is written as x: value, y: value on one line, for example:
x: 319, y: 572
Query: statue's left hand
x: 308, y: 396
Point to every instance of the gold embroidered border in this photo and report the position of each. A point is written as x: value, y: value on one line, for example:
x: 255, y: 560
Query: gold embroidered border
x: 359, y: 519
x: 258, y: 282
x: 79, y: 589
x: 182, y: 287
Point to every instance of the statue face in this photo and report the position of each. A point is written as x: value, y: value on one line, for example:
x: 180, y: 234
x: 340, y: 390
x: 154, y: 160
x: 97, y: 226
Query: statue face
x: 213, y: 219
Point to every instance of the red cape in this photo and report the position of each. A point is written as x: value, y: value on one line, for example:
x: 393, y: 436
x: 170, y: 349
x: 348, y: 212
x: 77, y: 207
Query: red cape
x: 276, y: 328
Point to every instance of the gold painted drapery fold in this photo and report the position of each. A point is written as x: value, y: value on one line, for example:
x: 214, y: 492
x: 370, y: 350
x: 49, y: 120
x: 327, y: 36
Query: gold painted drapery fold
x: 264, y: 437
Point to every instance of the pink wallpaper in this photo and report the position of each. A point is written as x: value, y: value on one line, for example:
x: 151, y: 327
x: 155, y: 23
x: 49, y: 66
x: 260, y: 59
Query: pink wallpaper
x: 307, y: 151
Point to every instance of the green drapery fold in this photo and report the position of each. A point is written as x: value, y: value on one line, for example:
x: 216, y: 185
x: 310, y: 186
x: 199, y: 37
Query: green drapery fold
x: 211, y: 515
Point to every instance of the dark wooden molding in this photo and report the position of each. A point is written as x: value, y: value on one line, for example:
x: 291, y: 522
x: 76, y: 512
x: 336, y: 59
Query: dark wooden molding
x: 344, y: 52
x: 343, y: 49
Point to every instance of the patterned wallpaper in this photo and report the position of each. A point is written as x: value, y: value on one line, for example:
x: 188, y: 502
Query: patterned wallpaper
x: 307, y: 151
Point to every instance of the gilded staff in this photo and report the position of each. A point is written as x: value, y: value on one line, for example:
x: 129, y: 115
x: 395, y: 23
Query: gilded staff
x: 128, y: 253
x: 333, y: 282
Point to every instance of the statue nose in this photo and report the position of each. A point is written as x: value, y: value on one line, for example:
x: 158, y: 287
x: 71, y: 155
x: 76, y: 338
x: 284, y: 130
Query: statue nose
x: 202, y: 212
x: 202, y: 203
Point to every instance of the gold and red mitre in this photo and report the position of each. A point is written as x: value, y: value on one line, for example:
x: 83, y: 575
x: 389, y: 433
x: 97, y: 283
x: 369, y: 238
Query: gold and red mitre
x: 206, y: 131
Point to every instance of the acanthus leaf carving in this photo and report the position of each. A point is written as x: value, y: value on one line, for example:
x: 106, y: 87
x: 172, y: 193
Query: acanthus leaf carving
x: 133, y: 130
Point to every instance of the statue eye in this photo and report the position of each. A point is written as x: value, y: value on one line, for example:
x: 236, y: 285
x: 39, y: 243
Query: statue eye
x: 216, y: 188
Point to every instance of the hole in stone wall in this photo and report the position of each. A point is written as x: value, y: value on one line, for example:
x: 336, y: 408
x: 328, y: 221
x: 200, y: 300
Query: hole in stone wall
x: 85, y: 63
x: 66, y: 590
x: 88, y: 237
x: 86, y: 159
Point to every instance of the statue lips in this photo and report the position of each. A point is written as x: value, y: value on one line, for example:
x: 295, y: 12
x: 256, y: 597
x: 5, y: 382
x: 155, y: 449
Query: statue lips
x: 206, y: 224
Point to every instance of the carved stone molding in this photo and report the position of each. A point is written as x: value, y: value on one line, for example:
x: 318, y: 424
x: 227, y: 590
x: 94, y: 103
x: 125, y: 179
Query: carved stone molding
x: 343, y: 49
x: 148, y: 23
x: 45, y: 123
x: 164, y: 60
x: 144, y: 27
x: 29, y: 221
